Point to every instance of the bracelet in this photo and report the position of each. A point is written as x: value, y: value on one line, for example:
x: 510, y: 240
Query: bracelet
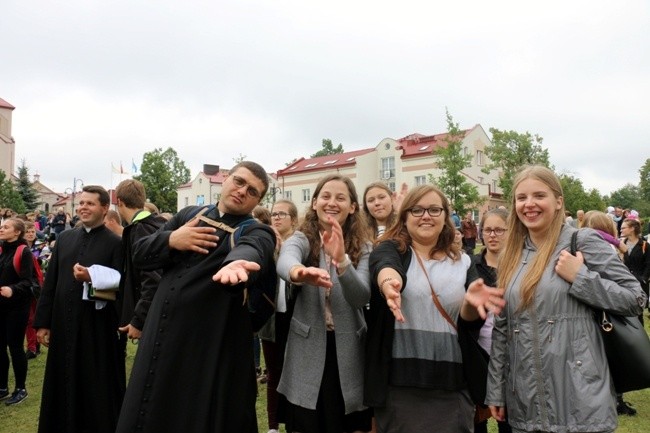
x: 381, y: 285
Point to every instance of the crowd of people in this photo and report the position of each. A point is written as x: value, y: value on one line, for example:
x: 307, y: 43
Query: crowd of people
x: 382, y: 302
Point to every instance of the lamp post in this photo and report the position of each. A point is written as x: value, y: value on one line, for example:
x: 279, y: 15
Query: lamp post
x: 74, y: 191
x: 274, y: 191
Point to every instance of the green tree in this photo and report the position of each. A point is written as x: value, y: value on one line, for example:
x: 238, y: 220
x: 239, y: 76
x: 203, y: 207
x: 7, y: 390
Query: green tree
x: 328, y: 149
x: 161, y: 173
x: 576, y: 197
x: 9, y: 197
x: 25, y: 188
x: 510, y: 151
x: 239, y: 159
x: 644, y: 181
x: 625, y: 197
x: 451, y: 161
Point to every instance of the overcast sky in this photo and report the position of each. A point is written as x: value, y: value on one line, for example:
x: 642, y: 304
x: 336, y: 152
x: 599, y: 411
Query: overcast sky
x: 99, y: 82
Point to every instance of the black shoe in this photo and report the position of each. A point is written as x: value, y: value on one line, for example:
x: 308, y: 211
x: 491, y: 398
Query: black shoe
x: 624, y: 408
x: 4, y: 393
x: 17, y: 396
x: 30, y: 355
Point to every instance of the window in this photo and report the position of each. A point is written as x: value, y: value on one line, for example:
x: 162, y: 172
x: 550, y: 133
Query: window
x: 200, y: 200
x: 391, y: 186
x: 306, y: 195
x: 494, y: 185
x: 480, y: 180
x: 287, y: 195
x: 387, y: 170
x: 187, y: 202
x: 465, y: 151
x: 420, y: 180
x: 479, y: 157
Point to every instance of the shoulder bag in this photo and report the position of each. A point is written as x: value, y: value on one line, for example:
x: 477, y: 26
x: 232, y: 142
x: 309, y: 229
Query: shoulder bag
x: 627, y: 345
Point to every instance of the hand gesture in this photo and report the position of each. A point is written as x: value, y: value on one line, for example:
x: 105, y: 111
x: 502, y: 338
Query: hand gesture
x: 484, y: 298
x: 190, y: 237
x: 568, y: 265
x: 392, y: 291
x: 333, y: 242
x: 312, y: 275
x: 235, y: 272
x: 398, y: 198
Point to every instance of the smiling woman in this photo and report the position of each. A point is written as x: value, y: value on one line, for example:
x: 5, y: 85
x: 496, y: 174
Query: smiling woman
x: 414, y: 367
x: 322, y: 376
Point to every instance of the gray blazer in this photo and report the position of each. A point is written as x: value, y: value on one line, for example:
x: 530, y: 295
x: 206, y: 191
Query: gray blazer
x: 304, y: 359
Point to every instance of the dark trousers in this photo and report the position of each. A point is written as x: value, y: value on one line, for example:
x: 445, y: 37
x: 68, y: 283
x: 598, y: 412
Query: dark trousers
x: 12, y: 335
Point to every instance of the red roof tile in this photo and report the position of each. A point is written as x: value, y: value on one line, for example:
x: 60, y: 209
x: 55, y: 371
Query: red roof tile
x: 5, y: 104
x: 418, y: 144
x: 338, y: 160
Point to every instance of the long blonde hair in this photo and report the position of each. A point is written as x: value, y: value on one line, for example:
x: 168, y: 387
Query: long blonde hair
x: 510, y: 257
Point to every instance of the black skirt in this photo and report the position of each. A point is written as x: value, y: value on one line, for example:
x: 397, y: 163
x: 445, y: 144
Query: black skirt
x: 329, y: 415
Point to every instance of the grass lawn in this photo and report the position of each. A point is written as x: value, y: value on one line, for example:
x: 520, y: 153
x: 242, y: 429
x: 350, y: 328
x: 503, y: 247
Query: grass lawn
x: 23, y: 418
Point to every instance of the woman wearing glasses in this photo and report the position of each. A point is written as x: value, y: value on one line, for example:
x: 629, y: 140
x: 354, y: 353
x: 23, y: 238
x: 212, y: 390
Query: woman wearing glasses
x: 494, y: 232
x: 414, y: 377
x: 284, y: 219
x: 323, y: 366
x: 547, y: 364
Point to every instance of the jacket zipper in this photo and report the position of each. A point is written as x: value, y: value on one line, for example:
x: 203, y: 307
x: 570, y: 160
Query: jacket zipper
x: 515, y: 331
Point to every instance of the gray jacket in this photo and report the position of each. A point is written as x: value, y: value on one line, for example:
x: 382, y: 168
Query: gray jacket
x: 548, y: 364
x: 304, y: 360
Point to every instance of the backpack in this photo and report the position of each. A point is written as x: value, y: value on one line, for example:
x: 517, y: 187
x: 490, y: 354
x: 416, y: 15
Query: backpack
x: 37, y: 273
x: 260, y: 295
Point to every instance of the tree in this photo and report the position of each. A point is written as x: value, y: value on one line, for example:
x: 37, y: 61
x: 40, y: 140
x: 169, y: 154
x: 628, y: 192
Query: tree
x: 239, y: 159
x: 451, y: 161
x: 161, y: 173
x: 9, y: 197
x: 644, y: 181
x: 510, y: 151
x: 576, y: 197
x: 25, y: 188
x: 328, y: 149
x: 625, y: 197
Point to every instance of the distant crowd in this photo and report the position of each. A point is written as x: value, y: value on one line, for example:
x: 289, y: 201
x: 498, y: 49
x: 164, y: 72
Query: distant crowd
x: 376, y: 312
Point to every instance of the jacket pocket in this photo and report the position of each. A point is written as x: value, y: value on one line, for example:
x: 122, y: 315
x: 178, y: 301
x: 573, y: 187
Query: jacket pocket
x: 583, y: 362
x: 300, y: 328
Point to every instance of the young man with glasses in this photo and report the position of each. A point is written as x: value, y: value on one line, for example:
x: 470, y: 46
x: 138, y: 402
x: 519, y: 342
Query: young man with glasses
x: 194, y: 369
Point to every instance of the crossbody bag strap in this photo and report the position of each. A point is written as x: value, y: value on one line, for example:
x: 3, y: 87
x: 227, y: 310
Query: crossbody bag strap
x: 434, y: 296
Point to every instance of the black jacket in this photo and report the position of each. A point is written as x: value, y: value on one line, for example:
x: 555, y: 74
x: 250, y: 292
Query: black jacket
x: 137, y: 286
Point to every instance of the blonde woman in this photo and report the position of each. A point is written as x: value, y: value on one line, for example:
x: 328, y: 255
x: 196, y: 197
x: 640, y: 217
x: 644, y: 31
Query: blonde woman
x: 548, y: 366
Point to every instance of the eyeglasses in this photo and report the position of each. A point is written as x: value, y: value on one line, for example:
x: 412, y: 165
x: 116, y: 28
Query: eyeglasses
x: 418, y: 211
x: 497, y: 232
x: 240, y: 183
x: 281, y: 215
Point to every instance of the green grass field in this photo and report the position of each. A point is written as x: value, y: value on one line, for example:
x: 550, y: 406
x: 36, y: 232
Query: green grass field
x: 23, y: 418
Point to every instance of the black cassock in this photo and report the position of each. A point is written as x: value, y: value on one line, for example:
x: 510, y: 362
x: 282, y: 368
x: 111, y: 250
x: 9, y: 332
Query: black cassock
x: 85, y: 374
x: 194, y: 370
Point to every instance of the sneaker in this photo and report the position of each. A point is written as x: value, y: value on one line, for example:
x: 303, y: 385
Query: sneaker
x: 4, y: 393
x: 624, y: 408
x: 30, y: 354
x: 17, y: 396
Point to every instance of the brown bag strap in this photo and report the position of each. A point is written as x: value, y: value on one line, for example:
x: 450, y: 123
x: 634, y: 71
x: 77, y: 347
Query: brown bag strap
x: 434, y: 296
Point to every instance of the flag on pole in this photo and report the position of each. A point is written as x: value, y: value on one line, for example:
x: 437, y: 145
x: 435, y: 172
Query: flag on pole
x: 134, y: 168
x: 115, y: 170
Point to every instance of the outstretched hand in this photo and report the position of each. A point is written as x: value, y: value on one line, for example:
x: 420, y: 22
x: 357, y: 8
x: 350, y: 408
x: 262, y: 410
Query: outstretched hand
x: 313, y: 276
x: 235, y: 272
x: 484, y: 298
x: 392, y: 291
x: 190, y: 237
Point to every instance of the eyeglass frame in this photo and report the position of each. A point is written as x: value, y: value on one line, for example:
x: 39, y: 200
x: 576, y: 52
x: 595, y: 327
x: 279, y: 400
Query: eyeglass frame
x: 489, y: 232
x: 281, y: 215
x: 438, y: 211
x: 251, y: 191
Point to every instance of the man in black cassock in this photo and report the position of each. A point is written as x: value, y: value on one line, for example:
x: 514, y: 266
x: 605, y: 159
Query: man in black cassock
x: 85, y: 374
x: 194, y: 369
